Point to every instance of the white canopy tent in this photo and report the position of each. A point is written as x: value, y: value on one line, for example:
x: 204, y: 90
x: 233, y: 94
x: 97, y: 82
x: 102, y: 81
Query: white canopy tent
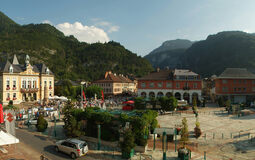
x: 6, y: 138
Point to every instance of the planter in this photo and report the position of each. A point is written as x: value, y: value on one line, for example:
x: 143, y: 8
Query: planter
x: 197, y: 132
x: 127, y: 155
x: 184, y: 153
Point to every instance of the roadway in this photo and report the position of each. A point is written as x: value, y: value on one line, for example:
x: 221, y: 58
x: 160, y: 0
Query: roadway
x: 42, y: 145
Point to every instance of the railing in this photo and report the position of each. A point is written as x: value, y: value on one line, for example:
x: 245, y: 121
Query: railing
x: 28, y: 90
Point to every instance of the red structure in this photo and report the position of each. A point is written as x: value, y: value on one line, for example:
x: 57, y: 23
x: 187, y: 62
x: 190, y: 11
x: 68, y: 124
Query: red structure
x: 236, y: 84
x: 183, y: 84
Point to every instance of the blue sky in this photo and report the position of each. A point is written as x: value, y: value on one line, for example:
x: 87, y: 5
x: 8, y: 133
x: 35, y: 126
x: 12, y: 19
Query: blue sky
x: 139, y: 25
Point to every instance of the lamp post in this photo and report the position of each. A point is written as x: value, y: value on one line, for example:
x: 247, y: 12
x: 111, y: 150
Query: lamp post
x: 55, y: 131
x: 99, y: 137
x: 175, y: 139
x: 164, y: 145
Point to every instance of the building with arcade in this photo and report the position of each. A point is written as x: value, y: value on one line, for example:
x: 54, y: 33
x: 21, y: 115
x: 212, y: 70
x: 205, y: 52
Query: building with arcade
x: 180, y: 83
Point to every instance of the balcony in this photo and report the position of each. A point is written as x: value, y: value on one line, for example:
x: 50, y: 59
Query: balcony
x: 28, y: 90
x: 7, y: 88
x: 14, y: 88
x: 14, y: 98
x: 186, y: 88
x: 8, y: 98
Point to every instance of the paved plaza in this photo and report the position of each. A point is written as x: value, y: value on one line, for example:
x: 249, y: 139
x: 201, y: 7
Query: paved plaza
x: 223, y: 136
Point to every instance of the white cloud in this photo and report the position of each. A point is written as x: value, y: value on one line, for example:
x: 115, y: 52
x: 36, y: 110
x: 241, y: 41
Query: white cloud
x: 47, y: 22
x: 89, y: 34
x: 106, y: 25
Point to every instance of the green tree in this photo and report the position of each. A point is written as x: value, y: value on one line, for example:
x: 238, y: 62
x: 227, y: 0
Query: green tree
x: 197, y: 129
x: 128, y: 141
x: 10, y: 106
x: 220, y: 101
x: 42, y: 124
x: 72, y: 126
x: 168, y: 104
x: 184, y: 131
x: 92, y: 90
x: 228, y: 105
x: 153, y: 102
x: 140, y: 103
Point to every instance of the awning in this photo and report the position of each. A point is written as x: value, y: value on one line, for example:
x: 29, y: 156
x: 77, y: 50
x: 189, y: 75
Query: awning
x: 6, y: 138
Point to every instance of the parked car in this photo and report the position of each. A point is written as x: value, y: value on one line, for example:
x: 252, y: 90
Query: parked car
x: 73, y: 147
x: 31, y: 122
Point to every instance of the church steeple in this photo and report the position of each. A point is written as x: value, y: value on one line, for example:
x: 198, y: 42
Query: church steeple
x: 15, y: 60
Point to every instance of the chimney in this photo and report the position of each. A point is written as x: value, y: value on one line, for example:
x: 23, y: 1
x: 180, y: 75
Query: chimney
x: 158, y: 69
x: 106, y: 74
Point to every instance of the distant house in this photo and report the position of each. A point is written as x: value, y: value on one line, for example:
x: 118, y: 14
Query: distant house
x: 183, y: 84
x: 114, y: 84
x: 236, y: 84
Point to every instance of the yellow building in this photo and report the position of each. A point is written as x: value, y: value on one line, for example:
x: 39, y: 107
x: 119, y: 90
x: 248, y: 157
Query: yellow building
x: 114, y: 84
x: 25, y: 83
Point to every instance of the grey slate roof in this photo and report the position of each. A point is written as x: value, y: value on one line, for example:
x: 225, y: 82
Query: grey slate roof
x: 184, y: 72
x: 17, y: 68
x: 236, y: 73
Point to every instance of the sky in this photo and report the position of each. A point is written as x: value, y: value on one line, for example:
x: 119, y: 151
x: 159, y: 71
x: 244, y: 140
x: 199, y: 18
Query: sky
x: 139, y: 25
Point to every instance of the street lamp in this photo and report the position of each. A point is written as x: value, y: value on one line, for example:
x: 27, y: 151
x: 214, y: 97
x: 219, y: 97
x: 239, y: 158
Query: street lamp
x: 164, y: 145
x: 99, y: 137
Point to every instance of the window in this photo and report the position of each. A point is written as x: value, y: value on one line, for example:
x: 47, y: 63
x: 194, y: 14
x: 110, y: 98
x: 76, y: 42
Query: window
x: 34, y: 82
x: 8, y: 95
x: 143, y: 84
x: 14, y: 95
x: 224, y: 89
x: 14, y: 83
x: 11, y: 69
x: 194, y: 85
x: 47, y: 71
x: 160, y: 84
x: 186, y: 84
x: 29, y: 84
x: 151, y: 84
x: 168, y: 85
x: 244, y: 81
x: 23, y: 84
x: 224, y: 81
x: 50, y: 83
x: 235, y: 89
x: 244, y: 89
x: 240, y: 81
x: 8, y: 83
x: 45, y: 83
x: 239, y: 89
x: 177, y: 85
x: 253, y: 81
x: 234, y: 81
x: 253, y: 89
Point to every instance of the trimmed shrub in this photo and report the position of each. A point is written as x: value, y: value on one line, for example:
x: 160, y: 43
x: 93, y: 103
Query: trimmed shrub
x: 42, y: 124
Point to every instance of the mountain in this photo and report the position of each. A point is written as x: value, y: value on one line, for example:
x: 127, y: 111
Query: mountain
x: 65, y: 55
x: 212, y: 55
x: 169, y: 53
x: 222, y: 50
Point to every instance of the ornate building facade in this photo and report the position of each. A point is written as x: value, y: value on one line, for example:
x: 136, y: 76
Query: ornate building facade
x: 24, y: 83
